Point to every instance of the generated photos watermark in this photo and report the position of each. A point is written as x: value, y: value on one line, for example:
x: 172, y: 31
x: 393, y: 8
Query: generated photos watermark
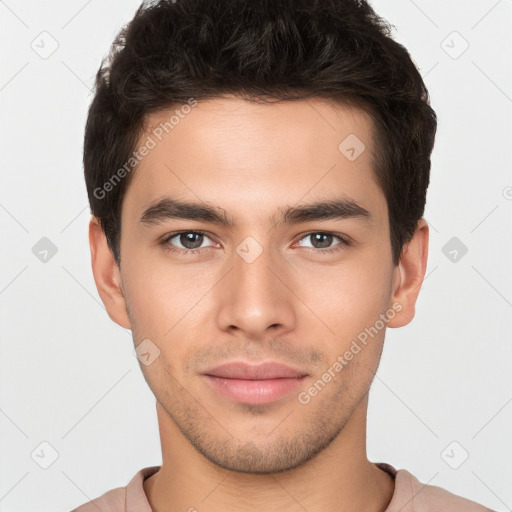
x: 304, y: 397
x: 157, y: 134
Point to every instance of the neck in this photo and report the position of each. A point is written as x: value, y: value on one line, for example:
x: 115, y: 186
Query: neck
x: 340, y: 478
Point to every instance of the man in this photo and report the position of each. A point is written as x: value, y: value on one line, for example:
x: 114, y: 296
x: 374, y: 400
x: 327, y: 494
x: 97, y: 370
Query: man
x: 257, y: 174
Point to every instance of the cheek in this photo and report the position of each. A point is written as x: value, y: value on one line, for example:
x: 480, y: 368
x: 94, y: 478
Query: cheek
x: 349, y: 296
x: 160, y: 295
x: 350, y: 303
x: 168, y: 307
x: 174, y: 305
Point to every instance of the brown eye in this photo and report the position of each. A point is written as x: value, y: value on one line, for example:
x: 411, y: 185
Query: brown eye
x: 321, y: 240
x: 191, y: 240
x: 186, y: 241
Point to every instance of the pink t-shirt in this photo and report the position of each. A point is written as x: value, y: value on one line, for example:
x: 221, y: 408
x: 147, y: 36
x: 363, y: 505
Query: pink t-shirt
x: 410, y: 496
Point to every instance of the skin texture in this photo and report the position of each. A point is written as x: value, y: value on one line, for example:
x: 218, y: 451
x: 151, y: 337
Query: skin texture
x: 293, y: 304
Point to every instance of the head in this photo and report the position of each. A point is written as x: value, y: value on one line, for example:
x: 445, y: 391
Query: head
x: 286, y: 147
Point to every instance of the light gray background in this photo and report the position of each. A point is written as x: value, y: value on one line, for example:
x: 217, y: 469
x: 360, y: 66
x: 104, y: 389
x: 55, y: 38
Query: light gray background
x: 68, y: 374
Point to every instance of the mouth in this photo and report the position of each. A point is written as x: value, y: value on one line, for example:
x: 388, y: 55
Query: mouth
x: 254, y: 384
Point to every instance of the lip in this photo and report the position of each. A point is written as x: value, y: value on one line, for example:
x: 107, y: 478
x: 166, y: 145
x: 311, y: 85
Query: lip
x: 263, y: 371
x: 254, y: 384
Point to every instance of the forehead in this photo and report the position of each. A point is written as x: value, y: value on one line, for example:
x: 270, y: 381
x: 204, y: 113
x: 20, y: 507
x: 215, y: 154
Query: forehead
x: 249, y: 157
x: 271, y: 124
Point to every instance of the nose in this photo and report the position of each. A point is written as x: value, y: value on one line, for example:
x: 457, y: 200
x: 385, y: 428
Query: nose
x: 254, y: 299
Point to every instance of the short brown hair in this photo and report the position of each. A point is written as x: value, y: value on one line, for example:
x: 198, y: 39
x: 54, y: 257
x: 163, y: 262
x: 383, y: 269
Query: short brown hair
x: 255, y: 49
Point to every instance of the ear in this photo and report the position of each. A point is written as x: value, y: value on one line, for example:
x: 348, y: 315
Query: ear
x: 107, y: 275
x: 409, y: 275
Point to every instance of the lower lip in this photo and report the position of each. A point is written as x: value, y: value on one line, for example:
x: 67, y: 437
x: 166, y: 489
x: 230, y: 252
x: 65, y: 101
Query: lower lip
x: 254, y: 392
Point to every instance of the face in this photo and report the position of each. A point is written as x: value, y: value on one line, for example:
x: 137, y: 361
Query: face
x: 256, y: 274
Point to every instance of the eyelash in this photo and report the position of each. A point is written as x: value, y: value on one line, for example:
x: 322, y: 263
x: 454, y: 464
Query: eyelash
x: 168, y: 247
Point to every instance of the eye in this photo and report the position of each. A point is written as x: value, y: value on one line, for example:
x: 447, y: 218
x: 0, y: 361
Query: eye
x: 189, y: 242
x: 185, y: 241
x: 322, y: 241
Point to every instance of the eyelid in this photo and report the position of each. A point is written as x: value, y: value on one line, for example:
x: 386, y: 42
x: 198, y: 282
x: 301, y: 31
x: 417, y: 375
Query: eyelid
x: 345, y: 241
x: 165, y: 241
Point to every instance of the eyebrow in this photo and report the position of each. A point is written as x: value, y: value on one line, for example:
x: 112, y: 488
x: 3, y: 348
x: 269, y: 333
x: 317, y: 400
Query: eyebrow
x: 333, y: 209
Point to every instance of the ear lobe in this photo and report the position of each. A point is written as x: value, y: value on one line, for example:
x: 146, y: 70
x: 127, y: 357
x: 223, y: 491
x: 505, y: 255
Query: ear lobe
x: 107, y: 275
x: 409, y: 275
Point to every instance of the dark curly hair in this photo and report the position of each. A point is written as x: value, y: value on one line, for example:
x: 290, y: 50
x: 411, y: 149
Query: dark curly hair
x: 261, y: 50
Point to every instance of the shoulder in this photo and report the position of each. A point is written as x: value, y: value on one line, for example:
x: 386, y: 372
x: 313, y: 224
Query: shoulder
x: 120, y: 499
x: 413, y: 496
x: 112, y: 501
